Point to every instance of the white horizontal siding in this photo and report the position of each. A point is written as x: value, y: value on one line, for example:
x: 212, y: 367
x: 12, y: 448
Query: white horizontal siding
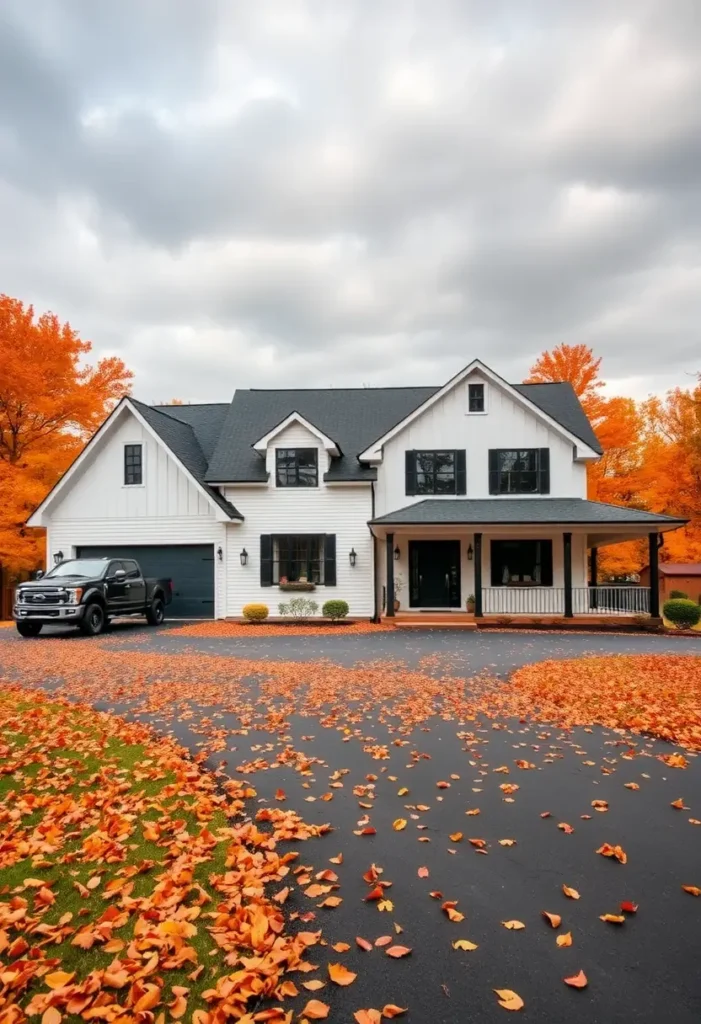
x: 506, y: 424
x: 98, y: 491
x: 344, y: 511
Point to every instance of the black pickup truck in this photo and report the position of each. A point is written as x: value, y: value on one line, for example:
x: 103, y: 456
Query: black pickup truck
x: 88, y: 592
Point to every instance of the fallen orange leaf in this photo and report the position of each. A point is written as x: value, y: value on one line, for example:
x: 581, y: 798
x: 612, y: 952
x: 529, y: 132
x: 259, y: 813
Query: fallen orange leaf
x: 628, y: 907
x: 363, y: 943
x: 612, y: 918
x: 565, y: 939
x: 340, y: 975
x: 398, y: 951
x: 607, y: 850
x: 399, y: 824
x: 514, y: 926
x: 464, y: 944
x: 391, y: 1010
x: 509, y: 1000
x: 554, y: 920
x: 572, y: 893
x: 367, y: 1016
x: 316, y: 1010
x: 423, y: 872
x: 577, y: 980
x: 692, y: 889
x: 314, y: 985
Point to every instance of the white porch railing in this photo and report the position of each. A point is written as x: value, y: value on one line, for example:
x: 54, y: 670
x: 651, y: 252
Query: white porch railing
x: 603, y: 600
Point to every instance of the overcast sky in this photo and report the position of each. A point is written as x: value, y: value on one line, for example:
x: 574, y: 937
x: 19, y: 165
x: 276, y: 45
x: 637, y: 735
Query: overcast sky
x: 347, y: 192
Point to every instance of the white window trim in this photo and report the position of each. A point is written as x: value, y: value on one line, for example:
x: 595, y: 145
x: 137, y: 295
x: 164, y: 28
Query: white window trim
x: 294, y: 448
x: 134, y: 487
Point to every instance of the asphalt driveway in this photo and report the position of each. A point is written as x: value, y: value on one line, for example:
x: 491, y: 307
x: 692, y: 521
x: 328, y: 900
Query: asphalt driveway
x: 362, y: 760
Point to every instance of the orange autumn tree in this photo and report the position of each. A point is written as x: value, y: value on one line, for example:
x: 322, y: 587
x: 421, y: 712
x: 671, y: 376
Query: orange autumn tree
x: 50, y: 403
x: 618, y: 424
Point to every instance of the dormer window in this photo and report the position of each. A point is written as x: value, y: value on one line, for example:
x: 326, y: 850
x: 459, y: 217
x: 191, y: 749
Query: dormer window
x: 297, y: 467
x: 475, y: 398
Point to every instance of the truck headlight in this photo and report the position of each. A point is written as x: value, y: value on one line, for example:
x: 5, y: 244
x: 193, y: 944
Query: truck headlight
x: 19, y: 596
x: 74, y: 596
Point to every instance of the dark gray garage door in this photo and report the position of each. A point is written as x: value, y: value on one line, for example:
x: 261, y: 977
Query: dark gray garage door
x: 190, y: 566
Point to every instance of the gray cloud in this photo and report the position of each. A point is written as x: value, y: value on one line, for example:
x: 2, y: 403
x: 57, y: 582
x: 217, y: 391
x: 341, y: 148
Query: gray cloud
x: 295, y: 192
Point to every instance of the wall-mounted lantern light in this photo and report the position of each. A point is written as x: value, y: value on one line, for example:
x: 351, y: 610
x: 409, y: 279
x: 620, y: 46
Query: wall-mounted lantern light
x: 469, y: 552
x: 244, y: 557
x: 220, y: 554
x: 352, y: 557
x: 58, y: 557
x: 397, y: 553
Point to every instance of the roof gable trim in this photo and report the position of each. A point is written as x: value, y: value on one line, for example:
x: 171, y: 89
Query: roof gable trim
x: 582, y: 450
x: 329, y: 444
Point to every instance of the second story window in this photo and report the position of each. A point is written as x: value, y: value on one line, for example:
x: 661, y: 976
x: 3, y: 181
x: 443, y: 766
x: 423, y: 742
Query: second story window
x: 435, y: 472
x: 296, y: 467
x: 519, y: 471
x: 133, y: 465
x: 475, y: 398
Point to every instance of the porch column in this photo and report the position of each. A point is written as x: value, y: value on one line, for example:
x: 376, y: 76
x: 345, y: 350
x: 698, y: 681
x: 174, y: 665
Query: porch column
x: 567, y: 565
x: 390, y: 574
x: 653, y: 558
x: 478, y: 575
x: 594, y: 577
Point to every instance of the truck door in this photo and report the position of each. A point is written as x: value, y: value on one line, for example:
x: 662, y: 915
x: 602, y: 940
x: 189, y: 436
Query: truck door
x: 136, y: 586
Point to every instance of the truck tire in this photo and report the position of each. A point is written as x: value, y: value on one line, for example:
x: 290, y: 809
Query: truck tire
x: 156, y: 612
x: 93, y: 622
x: 28, y: 628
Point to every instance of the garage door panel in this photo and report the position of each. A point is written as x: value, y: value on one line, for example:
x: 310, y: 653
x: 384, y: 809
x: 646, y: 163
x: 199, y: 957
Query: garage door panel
x: 190, y: 566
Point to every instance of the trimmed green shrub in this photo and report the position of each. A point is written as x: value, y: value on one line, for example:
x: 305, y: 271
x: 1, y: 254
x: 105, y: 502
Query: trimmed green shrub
x: 255, y: 612
x: 674, y: 594
x: 335, y: 609
x: 683, y: 613
x: 300, y: 608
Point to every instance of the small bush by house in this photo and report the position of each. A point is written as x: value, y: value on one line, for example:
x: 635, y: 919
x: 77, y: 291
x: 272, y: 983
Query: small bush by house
x: 682, y: 612
x: 255, y: 612
x: 674, y: 594
x: 299, y: 608
x: 335, y: 610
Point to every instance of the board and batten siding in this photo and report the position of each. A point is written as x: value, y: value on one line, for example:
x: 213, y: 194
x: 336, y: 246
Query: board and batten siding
x: 97, y: 508
x: 447, y: 424
x: 98, y: 490
x: 341, y: 510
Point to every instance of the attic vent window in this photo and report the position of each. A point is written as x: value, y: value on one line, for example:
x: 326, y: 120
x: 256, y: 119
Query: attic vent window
x: 476, y: 397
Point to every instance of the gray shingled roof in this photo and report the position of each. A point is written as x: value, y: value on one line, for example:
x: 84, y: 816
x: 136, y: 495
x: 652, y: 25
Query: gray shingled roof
x: 574, y: 511
x: 561, y: 403
x: 354, y: 418
x: 181, y: 439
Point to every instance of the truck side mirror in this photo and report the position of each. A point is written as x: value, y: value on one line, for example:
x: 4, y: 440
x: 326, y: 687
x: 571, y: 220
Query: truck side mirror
x: 39, y: 574
x: 119, y: 574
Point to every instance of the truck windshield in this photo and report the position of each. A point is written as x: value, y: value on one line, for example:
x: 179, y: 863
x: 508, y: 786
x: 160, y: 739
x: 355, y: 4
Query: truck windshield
x: 85, y: 567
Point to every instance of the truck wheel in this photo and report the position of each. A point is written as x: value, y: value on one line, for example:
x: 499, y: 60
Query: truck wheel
x: 29, y: 628
x: 156, y: 612
x: 93, y: 622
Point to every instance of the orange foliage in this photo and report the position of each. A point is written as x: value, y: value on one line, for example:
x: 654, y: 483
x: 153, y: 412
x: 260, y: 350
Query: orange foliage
x: 50, y: 403
x: 651, y: 460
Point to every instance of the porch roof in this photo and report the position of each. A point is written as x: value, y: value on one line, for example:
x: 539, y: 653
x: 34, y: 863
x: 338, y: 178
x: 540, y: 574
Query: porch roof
x: 526, y: 511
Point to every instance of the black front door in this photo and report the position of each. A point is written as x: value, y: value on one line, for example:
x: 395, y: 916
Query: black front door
x: 434, y: 573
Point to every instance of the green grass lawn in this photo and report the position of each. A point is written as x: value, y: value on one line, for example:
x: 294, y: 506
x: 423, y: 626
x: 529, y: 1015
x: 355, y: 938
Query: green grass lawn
x: 113, y: 848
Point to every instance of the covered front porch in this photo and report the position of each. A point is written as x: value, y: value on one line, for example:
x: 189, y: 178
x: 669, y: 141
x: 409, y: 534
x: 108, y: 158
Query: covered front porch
x: 452, y: 570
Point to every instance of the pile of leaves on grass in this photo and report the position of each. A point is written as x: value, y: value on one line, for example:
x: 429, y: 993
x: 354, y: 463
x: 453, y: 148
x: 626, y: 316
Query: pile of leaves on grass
x: 133, y: 887
x: 659, y: 695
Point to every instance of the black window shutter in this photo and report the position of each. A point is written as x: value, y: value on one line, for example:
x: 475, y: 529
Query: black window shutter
x: 497, y: 568
x: 330, y: 560
x: 266, y: 560
x: 460, y: 472
x: 544, y: 471
x: 410, y: 472
x: 493, y: 471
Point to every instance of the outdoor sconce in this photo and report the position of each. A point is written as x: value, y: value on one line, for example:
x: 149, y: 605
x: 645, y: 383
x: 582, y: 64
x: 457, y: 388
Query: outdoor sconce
x: 469, y: 552
x: 397, y: 553
x: 220, y: 554
x: 244, y: 557
x: 352, y: 557
x: 58, y: 557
